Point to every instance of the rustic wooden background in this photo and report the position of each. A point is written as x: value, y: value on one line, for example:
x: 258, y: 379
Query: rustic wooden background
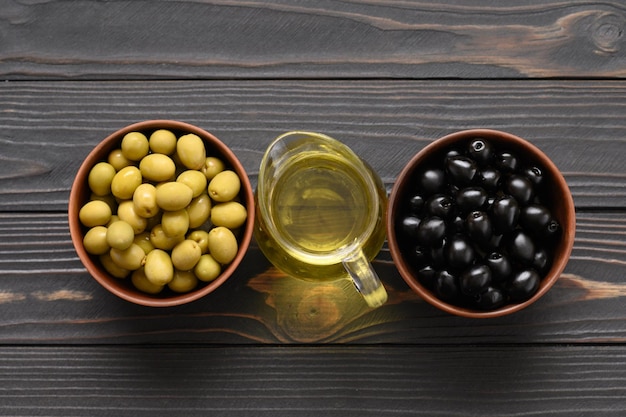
x: 385, y: 77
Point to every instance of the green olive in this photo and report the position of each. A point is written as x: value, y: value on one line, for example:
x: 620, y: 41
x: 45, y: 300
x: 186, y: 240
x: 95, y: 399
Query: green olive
x: 199, y: 210
x: 160, y: 240
x: 172, y: 196
x: 222, y: 245
x: 111, y: 267
x: 144, y: 201
x: 139, y: 280
x: 126, y: 212
x: 157, y: 167
x: 117, y: 159
x: 143, y: 240
x: 125, y: 182
x: 207, y: 268
x: 162, y: 141
x: 194, y: 180
x: 95, y: 240
x: 94, y: 213
x: 186, y: 254
x: 135, y: 146
x: 158, y: 267
x: 212, y: 166
x: 191, y: 151
x: 183, y: 281
x: 201, y: 237
x: 175, y: 223
x: 230, y: 214
x: 224, y: 186
x: 100, y: 178
x: 120, y: 235
x: 131, y: 258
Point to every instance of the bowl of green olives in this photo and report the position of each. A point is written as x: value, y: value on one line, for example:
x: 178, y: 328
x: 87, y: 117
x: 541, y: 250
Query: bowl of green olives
x: 480, y: 223
x: 161, y: 213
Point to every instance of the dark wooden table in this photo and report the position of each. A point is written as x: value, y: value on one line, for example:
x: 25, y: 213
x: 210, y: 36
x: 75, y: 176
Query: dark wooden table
x: 386, y: 78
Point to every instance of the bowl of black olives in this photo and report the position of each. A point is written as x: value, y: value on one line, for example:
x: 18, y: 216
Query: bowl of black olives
x: 480, y: 223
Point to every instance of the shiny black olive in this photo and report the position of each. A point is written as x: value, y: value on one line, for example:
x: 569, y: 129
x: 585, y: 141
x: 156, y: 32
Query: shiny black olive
x: 475, y: 279
x: 431, y: 232
x: 410, y: 226
x: 521, y: 247
x: 461, y: 169
x: 541, y: 260
x: 471, y: 198
x: 500, y: 266
x: 534, y: 174
x: 520, y: 188
x: 523, y: 285
x: 504, y: 214
x: 479, y: 227
x: 489, y: 178
x: 439, y: 205
x: 416, y: 203
x: 490, y: 299
x: 535, y: 218
x: 446, y: 286
x: 431, y: 181
x: 506, y: 162
x: 481, y: 151
x: 459, y: 252
x: 426, y: 275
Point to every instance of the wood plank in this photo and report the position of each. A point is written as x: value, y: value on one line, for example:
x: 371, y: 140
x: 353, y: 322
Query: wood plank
x: 313, y: 381
x: 90, y: 39
x: 46, y: 128
x: 46, y: 297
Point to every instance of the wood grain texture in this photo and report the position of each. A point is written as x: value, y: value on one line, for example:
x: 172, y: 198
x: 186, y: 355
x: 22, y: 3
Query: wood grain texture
x: 312, y: 381
x: 47, y: 128
x: 46, y: 297
x: 325, y: 39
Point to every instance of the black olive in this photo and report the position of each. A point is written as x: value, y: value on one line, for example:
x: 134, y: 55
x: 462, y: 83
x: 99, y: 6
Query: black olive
x: 500, y: 266
x: 426, y: 275
x: 481, y: 151
x: 431, y: 232
x: 490, y: 299
x: 541, y: 260
x: 475, y: 279
x: 416, y: 203
x: 489, y: 178
x: 446, y: 286
x: 504, y: 214
x: 420, y: 255
x: 471, y: 198
x: 459, y: 252
x: 534, y: 174
x: 439, y: 205
x: 523, y: 285
x: 461, y: 169
x: 431, y: 181
x: 535, y: 218
x: 521, y: 247
x: 410, y: 226
x: 520, y: 188
x: 479, y: 227
x: 506, y: 162
x: 437, y: 256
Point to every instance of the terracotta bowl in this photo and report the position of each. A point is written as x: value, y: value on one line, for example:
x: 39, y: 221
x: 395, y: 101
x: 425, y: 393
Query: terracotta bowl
x: 80, y: 194
x: 556, y: 196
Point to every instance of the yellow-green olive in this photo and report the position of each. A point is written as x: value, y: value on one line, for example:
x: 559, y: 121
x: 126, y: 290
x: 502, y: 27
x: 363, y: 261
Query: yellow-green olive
x: 158, y: 267
x: 201, y: 237
x: 94, y: 213
x: 117, y: 159
x: 224, y: 186
x: 125, y: 182
x: 135, y: 146
x: 95, y: 240
x: 191, y: 151
x: 157, y: 167
x: 230, y: 214
x: 183, y: 281
x: 172, y: 196
x: 160, y: 240
x: 100, y: 178
x: 175, y: 223
x: 194, y: 180
x: 143, y: 240
x: 144, y: 201
x: 120, y: 235
x: 199, y: 211
x: 186, y: 254
x: 131, y: 258
x: 162, y: 141
x: 222, y: 244
x: 139, y: 280
x: 111, y: 267
x: 207, y: 268
x: 126, y: 212
x: 212, y: 166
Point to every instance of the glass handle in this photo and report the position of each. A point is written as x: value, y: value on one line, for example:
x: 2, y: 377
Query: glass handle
x: 365, y: 279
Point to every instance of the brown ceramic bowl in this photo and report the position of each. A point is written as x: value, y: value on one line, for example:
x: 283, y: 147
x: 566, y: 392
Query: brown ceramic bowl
x: 80, y: 194
x: 557, y: 198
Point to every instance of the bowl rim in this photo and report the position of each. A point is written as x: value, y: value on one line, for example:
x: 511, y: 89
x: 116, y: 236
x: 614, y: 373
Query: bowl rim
x: 76, y: 228
x: 565, y: 245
